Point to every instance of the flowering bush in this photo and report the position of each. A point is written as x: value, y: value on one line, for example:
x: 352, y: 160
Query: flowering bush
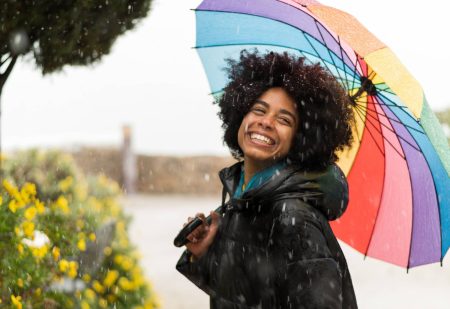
x: 63, y: 239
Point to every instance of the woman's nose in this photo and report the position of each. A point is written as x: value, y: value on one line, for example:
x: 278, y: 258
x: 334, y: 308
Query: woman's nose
x: 267, y: 122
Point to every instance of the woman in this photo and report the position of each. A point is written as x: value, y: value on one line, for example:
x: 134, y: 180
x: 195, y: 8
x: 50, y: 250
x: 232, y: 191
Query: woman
x: 273, y: 246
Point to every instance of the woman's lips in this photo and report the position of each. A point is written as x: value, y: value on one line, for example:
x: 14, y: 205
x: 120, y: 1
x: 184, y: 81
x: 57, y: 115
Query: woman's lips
x: 261, y: 139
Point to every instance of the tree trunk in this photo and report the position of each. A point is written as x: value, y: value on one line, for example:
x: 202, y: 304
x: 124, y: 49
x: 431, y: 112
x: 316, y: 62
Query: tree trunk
x: 3, y: 77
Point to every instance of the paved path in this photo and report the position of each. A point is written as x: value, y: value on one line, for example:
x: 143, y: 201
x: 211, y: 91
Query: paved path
x: 157, y: 219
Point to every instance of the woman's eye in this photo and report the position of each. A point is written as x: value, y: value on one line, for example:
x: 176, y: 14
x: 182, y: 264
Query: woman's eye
x: 258, y: 111
x: 285, y: 121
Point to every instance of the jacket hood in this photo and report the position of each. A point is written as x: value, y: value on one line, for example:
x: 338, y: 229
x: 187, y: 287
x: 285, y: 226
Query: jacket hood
x: 326, y: 190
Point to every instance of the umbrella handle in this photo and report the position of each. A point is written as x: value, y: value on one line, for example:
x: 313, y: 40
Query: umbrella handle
x: 181, y: 239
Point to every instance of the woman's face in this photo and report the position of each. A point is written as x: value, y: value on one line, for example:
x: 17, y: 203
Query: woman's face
x: 267, y: 131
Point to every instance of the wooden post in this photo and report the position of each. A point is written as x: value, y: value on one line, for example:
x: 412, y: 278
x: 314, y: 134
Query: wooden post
x: 128, y: 162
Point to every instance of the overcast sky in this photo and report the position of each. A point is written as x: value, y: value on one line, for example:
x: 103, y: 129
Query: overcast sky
x: 153, y: 80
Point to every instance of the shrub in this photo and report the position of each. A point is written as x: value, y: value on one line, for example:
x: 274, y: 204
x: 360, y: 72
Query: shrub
x: 63, y: 238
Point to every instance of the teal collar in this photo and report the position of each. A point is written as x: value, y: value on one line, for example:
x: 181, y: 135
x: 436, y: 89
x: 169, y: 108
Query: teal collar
x: 258, y: 179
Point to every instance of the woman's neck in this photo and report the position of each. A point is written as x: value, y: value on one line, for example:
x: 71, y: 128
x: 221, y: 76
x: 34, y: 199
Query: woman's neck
x: 251, y: 168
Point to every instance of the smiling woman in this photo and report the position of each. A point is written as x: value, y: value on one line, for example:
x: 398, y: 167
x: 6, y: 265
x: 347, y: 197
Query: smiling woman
x: 271, y: 246
x: 266, y: 132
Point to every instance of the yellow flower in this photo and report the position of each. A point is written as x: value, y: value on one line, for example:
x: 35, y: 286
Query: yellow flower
x: 9, y: 188
x: 28, y: 229
x: 118, y: 259
x: 81, y: 245
x: 63, y: 265
x: 38, y: 292
x: 20, y: 248
x: 85, y: 305
x: 1, y: 199
x: 20, y: 283
x: 90, y: 294
x: 107, y: 251
x: 16, y: 301
x: 110, y: 278
x: 80, y: 224
x: 63, y: 204
x: 126, y: 284
x: 39, y: 206
x: 17, y: 231
x: 12, y: 206
x: 98, y: 287
x: 65, y: 184
x: 28, y: 192
x: 30, y: 213
x: 29, y: 188
x: 111, y: 298
x: 126, y: 263
x: 86, y: 278
x: 73, y: 268
x: 40, y: 252
x: 92, y: 236
x: 103, y: 303
x: 56, y: 253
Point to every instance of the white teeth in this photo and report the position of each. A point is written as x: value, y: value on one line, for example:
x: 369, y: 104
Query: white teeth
x: 263, y: 138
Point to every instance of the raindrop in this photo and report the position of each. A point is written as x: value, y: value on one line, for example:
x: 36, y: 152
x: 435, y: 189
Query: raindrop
x: 206, y: 177
x: 293, y: 221
x: 306, y: 125
x: 18, y: 42
x: 284, y: 207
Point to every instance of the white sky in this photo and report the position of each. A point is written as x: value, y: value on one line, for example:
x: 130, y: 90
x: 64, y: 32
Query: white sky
x: 153, y: 80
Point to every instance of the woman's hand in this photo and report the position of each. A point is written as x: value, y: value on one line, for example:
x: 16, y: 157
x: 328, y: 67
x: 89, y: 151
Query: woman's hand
x: 202, y: 237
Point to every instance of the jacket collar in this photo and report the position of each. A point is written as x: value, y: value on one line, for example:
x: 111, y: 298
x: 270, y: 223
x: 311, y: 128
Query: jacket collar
x: 326, y: 190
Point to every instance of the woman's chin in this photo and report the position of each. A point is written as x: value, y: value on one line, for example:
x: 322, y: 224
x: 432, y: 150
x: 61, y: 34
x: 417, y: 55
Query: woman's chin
x: 261, y: 157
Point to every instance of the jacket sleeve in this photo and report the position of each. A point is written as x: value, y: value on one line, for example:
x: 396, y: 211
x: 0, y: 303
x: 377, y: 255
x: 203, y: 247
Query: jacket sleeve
x: 307, y: 276
x: 197, y: 271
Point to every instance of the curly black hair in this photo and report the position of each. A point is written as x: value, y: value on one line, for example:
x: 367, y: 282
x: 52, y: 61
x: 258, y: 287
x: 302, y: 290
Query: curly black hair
x: 323, y: 106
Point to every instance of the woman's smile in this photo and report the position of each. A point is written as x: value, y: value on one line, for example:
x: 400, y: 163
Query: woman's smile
x: 261, y: 139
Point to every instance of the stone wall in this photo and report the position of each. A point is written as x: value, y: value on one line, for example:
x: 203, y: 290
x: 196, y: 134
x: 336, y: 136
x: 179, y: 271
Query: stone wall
x: 158, y: 174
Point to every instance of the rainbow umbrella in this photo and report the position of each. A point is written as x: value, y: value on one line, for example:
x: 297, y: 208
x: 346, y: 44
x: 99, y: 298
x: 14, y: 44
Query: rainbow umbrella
x: 398, y: 167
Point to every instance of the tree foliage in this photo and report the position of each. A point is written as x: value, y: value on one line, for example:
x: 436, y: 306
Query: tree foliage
x: 63, y: 32
x: 444, y: 119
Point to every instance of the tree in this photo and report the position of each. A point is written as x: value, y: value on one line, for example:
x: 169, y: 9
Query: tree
x: 63, y: 32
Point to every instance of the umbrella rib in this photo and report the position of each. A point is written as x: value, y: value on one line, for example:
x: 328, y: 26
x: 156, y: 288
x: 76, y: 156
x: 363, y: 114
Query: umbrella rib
x: 403, y: 108
x: 266, y: 44
x: 355, y: 72
x: 329, y: 52
x: 392, y: 119
x: 362, y: 119
x: 397, y: 135
x: 312, y: 46
x: 345, y: 71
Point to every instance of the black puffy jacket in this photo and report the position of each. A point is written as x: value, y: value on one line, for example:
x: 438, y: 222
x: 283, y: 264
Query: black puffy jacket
x: 274, y: 247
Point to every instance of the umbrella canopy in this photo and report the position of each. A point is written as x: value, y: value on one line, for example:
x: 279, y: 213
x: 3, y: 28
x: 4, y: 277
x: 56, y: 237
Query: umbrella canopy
x: 399, y: 164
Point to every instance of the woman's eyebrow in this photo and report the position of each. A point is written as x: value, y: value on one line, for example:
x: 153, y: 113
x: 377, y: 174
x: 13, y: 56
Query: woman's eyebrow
x: 262, y: 102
